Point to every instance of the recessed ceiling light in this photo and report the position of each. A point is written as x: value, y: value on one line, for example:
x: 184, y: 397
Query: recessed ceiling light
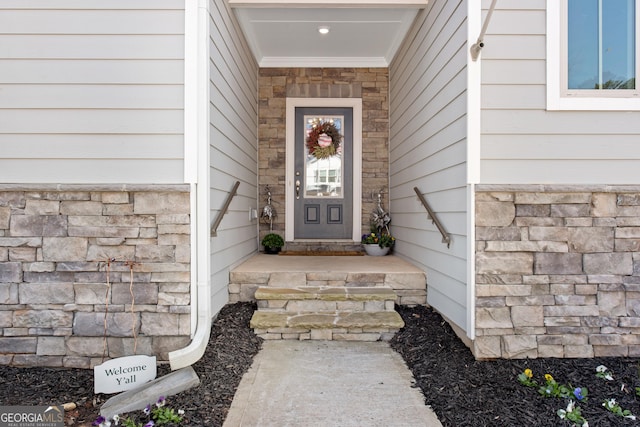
x: 323, y: 30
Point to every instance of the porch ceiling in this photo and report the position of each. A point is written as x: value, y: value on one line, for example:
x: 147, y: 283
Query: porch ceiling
x: 361, y: 33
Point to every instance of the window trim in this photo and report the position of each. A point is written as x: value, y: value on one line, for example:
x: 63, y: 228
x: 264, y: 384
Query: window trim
x: 558, y: 97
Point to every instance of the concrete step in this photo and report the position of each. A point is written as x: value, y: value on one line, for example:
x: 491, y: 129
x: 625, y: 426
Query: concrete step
x: 327, y: 313
x: 356, y: 326
x: 327, y: 293
x: 341, y: 319
x: 320, y: 300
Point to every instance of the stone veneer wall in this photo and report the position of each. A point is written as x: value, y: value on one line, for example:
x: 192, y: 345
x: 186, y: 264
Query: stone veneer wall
x: 276, y: 84
x: 54, y: 247
x: 558, y: 271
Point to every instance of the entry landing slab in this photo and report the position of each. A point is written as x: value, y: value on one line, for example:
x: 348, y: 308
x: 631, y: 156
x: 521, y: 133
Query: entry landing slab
x: 345, y: 264
x: 407, y: 280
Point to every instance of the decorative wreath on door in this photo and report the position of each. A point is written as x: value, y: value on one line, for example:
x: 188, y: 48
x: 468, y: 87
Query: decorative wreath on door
x: 324, y: 140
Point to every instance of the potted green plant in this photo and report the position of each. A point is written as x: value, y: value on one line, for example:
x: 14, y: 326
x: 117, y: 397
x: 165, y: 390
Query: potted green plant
x: 272, y: 243
x: 377, y: 243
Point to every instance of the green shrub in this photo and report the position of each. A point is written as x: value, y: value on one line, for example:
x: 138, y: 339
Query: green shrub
x: 272, y: 240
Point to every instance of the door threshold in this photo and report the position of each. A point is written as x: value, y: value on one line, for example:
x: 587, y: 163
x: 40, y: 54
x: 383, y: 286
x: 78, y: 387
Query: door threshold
x: 321, y: 253
x: 325, y: 241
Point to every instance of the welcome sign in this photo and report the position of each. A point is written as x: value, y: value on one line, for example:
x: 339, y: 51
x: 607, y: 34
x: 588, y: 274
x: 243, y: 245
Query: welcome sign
x: 123, y: 373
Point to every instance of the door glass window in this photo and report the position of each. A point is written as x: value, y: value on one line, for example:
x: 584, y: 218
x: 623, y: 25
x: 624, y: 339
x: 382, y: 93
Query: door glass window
x: 323, y: 158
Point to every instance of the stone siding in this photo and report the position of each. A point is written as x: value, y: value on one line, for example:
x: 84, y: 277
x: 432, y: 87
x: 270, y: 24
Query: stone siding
x: 276, y: 84
x: 58, y: 251
x: 557, y: 272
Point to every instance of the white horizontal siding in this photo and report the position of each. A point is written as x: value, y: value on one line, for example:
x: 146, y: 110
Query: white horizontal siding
x: 564, y: 171
x: 90, y: 4
x: 107, y: 170
x: 428, y: 151
x: 520, y: 72
x: 517, y: 21
x: 56, y: 121
x: 80, y: 19
x: 90, y: 46
x: 91, y: 96
x: 451, y: 203
x: 233, y: 118
x: 82, y: 146
x: 542, y: 122
x: 435, y: 113
x: 522, y: 143
x: 91, y: 155
x: 92, y: 71
x: 517, y: 47
x: 512, y: 96
x: 548, y: 147
x: 91, y: 91
x: 519, y: 4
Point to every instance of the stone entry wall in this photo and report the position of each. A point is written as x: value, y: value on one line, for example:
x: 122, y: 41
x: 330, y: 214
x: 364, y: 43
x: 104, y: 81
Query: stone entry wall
x: 54, y: 247
x: 276, y: 84
x: 558, y: 272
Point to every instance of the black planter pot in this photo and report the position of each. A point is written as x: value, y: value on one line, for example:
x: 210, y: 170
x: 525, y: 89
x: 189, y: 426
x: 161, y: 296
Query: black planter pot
x: 271, y: 251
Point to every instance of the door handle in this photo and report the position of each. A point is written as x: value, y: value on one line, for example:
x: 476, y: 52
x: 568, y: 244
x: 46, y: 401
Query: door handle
x: 297, y: 188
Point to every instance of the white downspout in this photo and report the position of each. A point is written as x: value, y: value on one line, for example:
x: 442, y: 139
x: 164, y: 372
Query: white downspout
x: 196, y: 140
x: 474, y: 129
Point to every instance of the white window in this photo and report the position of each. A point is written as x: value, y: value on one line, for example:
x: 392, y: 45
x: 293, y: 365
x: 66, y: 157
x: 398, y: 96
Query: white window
x: 592, y: 52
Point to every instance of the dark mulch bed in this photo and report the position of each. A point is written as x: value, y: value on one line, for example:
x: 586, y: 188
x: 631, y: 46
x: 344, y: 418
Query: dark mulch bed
x: 466, y: 392
x: 229, y: 354
x: 462, y: 391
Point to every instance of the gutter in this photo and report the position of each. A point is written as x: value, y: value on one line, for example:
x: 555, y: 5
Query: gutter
x: 196, y: 165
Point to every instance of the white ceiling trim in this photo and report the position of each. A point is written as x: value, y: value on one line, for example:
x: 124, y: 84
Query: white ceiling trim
x: 332, y: 3
x: 322, y: 62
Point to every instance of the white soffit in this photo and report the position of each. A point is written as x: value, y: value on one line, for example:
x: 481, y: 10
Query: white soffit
x: 285, y: 34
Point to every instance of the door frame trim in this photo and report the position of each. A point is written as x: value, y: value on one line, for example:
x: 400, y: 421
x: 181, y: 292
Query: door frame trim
x: 356, y: 105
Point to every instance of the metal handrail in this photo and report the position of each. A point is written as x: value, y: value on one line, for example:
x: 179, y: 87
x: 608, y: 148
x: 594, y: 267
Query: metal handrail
x: 225, y: 207
x: 445, y: 236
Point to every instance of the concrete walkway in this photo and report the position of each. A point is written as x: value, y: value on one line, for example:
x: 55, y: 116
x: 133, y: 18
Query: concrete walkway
x: 328, y: 384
